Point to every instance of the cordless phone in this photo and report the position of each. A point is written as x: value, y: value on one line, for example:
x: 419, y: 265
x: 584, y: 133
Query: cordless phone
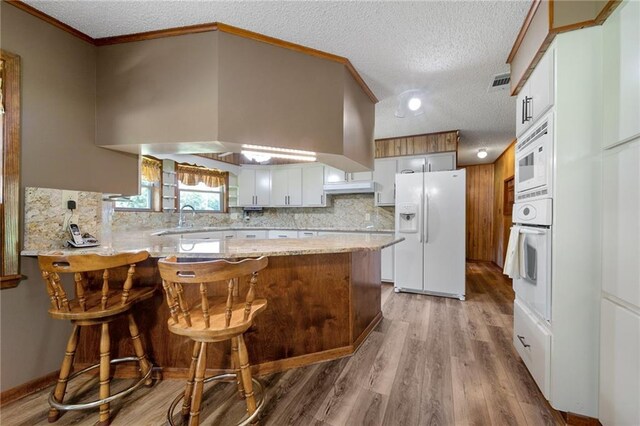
x: 77, y: 240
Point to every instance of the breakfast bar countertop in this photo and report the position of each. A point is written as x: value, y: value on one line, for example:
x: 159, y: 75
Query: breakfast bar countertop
x: 183, y: 245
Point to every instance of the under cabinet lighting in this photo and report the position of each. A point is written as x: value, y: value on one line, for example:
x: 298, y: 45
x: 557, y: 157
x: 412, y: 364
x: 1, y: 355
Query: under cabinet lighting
x: 274, y: 149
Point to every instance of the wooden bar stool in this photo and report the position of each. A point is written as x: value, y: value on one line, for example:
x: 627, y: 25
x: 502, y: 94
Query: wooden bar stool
x: 213, y: 319
x: 94, y: 306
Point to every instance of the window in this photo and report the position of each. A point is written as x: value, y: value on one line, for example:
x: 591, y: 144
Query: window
x: 148, y: 199
x: 202, y: 197
x: 144, y: 201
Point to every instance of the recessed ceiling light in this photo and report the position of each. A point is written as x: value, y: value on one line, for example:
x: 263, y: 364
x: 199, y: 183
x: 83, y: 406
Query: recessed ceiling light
x: 414, y: 104
x: 482, y: 153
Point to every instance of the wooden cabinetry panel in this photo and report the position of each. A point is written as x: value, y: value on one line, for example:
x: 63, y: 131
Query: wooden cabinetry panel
x: 417, y: 144
x: 503, y: 171
x: 479, y: 211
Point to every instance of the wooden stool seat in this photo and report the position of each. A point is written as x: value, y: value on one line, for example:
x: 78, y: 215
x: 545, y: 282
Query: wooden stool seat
x: 94, y: 310
x: 95, y: 305
x: 217, y: 332
x: 209, y: 319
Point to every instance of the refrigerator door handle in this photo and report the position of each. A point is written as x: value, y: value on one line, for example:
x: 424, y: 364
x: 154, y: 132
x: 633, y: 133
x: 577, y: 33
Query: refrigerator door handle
x: 426, y: 220
x: 420, y: 233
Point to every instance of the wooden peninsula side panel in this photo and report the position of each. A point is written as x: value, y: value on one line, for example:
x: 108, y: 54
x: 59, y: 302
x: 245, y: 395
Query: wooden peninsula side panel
x: 320, y: 307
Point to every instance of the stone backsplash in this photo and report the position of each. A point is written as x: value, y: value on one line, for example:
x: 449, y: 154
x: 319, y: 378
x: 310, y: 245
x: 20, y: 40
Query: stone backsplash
x: 346, y: 211
x: 46, y: 220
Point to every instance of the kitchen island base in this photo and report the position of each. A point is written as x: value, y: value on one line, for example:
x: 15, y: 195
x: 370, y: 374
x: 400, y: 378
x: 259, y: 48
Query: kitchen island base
x: 320, y: 307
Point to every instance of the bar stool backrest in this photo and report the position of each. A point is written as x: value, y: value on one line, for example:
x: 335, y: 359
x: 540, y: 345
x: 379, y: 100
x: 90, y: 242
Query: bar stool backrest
x: 176, y: 274
x: 54, y: 264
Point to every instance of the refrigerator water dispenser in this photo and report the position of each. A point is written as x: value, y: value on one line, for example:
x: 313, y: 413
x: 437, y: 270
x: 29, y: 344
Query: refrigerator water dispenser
x: 408, y: 213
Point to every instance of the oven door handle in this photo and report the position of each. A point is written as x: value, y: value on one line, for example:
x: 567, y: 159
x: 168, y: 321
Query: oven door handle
x: 531, y: 231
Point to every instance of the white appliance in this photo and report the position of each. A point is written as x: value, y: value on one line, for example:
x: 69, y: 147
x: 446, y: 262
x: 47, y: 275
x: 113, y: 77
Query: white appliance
x: 534, y: 161
x: 533, y: 283
x: 430, y: 215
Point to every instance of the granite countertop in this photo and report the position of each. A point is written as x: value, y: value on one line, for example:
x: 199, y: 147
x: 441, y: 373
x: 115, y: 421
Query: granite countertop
x: 187, y: 230
x: 184, y: 246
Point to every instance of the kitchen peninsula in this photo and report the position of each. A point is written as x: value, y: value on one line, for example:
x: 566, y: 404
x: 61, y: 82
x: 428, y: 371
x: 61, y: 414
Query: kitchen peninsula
x: 323, y: 298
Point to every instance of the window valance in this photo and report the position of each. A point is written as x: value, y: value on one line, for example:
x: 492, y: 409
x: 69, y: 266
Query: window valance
x: 151, y: 169
x: 193, y: 175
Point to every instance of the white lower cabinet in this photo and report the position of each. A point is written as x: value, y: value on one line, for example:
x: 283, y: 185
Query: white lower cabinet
x: 256, y: 235
x: 619, y: 365
x: 228, y: 235
x: 279, y: 233
x: 532, y: 340
x: 307, y: 234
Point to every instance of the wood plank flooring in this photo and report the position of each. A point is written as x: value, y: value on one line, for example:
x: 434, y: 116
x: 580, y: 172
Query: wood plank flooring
x: 431, y: 361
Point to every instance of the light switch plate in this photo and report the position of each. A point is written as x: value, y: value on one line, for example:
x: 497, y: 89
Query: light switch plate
x: 69, y: 196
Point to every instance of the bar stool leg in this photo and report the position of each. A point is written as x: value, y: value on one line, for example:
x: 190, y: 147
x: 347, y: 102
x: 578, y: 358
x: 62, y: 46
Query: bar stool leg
x: 145, y: 365
x: 246, y: 375
x: 105, y: 347
x: 188, y: 391
x: 194, y: 418
x: 65, y: 369
x: 236, y: 365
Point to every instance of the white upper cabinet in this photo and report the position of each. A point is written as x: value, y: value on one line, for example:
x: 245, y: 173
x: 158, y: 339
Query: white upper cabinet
x: 441, y: 162
x: 536, y: 96
x: 254, y: 187
x: 286, y: 187
x: 411, y: 164
x: 384, y: 175
x: 333, y: 175
x: 621, y: 65
x: 360, y: 176
x: 312, y: 186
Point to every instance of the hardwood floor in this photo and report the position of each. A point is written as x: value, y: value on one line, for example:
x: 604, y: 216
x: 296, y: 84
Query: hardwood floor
x: 431, y: 361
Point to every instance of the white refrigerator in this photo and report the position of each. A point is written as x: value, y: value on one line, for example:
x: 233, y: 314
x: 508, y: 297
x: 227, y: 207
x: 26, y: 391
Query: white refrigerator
x: 430, y: 215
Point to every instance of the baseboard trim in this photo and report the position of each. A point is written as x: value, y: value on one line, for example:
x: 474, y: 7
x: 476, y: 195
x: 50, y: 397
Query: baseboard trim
x: 28, y: 388
x: 573, y: 419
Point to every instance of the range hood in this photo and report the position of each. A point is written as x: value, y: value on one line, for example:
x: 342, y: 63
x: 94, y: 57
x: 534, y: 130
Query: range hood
x: 350, y: 187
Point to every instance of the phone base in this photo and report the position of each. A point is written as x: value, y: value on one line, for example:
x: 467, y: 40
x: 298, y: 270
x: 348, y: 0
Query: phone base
x: 83, y: 245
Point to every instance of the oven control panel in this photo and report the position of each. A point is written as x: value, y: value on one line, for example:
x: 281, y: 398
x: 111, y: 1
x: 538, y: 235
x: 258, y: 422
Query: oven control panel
x: 535, y: 212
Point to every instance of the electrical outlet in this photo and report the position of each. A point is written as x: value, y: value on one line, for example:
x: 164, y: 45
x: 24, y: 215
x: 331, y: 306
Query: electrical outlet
x: 367, y: 217
x: 69, y: 196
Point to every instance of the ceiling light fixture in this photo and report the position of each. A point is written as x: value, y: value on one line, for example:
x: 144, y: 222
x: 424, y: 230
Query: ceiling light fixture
x: 482, y: 153
x: 261, y: 157
x: 275, y: 149
x: 414, y: 104
x: 410, y: 103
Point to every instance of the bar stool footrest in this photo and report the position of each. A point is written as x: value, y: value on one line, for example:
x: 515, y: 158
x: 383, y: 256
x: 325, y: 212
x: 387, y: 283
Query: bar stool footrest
x: 94, y: 404
x: 223, y: 377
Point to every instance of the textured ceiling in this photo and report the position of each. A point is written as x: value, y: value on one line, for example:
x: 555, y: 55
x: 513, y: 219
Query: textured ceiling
x: 448, y: 49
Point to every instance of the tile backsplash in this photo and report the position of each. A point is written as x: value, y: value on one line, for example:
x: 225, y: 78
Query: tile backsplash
x: 45, y: 217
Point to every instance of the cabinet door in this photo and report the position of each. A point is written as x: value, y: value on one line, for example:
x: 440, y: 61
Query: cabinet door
x: 279, y: 234
x: 441, y: 162
x: 312, y: 186
x: 294, y: 177
x: 279, y: 187
x: 252, y: 235
x: 619, y: 365
x: 384, y: 175
x: 541, y: 86
x: 228, y: 235
x: 246, y: 187
x: 360, y: 176
x: 307, y: 234
x: 411, y: 164
x: 333, y: 175
x: 263, y: 187
x: 386, y: 273
x: 621, y: 62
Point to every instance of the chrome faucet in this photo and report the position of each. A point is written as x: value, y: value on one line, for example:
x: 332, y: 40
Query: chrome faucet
x: 181, y: 220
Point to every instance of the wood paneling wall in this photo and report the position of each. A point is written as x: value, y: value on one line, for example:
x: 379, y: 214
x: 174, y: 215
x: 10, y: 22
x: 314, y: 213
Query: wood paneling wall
x: 503, y: 170
x: 480, y: 200
x: 417, y: 144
